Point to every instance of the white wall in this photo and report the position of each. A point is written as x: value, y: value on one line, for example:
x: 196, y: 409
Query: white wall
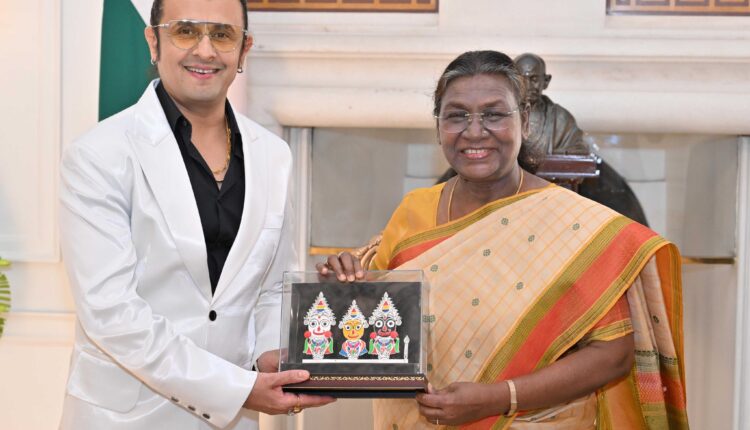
x: 29, y: 58
x: 634, y: 74
x: 35, y: 349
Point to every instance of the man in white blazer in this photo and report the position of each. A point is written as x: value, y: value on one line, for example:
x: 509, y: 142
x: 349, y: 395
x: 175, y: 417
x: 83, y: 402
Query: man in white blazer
x: 176, y: 228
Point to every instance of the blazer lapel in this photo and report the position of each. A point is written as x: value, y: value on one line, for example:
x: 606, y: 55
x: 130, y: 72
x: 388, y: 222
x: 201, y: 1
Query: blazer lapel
x: 253, y: 210
x: 162, y: 164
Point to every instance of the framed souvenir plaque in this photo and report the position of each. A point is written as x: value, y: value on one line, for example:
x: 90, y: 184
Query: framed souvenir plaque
x: 360, y: 339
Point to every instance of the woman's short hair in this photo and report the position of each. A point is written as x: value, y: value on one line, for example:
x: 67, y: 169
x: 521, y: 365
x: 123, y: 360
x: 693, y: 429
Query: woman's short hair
x: 475, y: 63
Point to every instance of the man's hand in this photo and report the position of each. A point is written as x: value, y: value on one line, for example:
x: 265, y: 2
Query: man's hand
x: 267, y: 396
x: 268, y: 362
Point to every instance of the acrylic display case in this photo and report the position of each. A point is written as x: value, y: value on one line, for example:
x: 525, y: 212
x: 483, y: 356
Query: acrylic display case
x: 364, y: 339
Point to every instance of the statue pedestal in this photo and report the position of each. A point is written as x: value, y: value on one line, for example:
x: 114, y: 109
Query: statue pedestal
x: 569, y: 170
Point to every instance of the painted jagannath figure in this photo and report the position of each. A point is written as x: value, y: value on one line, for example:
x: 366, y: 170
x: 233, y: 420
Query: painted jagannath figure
x: 353, y: 325
x: 319, y: 319
x: 384, y: 340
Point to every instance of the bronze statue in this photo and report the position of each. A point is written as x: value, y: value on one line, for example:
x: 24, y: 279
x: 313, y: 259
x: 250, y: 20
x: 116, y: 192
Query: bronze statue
x: 552, y: 129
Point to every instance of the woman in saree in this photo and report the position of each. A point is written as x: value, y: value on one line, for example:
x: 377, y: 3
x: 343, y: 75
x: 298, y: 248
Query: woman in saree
x: 548, y: 310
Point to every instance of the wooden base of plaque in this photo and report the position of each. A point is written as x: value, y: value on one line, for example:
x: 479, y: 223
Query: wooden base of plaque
x: 361, y: 386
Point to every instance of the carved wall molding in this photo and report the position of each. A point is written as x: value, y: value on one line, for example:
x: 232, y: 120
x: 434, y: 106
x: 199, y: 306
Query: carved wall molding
x: 678, y: 7
x: 667, y: 86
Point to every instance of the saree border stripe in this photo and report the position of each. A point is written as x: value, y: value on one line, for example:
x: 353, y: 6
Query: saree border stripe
x: 634, y: 392
x: 672, y: 283
x: 659, y: 379
x: 606, y: 263
x: 546, y: 301
x: 609, y: 332
x: 602, y: 412
x: 675, y: 279
x: 413, y: 252
x: 615, y: 288
x: 447, y: 230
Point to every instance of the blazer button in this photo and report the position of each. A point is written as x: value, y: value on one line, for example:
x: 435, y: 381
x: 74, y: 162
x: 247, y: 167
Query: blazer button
x: 212, y: 315
x: 207, y: 416
x: 192, y: 408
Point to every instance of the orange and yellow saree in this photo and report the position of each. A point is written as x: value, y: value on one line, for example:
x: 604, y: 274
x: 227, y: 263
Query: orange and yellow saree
x: 521, y: 281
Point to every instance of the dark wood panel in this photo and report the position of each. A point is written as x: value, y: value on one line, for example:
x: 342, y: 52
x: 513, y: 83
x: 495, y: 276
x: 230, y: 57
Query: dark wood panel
x: 345, y: 5
x: 678, y: 7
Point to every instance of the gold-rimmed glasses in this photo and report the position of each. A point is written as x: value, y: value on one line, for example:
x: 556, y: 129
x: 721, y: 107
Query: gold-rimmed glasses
x: 187, y: 33
x: 456, y: 121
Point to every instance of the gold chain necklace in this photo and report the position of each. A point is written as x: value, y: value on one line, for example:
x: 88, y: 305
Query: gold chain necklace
x: 229, y: 150
x: 453, y: 188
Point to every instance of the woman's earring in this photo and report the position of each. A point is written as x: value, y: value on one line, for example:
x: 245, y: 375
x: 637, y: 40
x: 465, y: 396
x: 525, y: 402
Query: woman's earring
x: 240, y: 70
x: 153, y: 62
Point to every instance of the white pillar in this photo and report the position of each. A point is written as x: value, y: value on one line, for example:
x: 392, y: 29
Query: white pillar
x: 742, y: 351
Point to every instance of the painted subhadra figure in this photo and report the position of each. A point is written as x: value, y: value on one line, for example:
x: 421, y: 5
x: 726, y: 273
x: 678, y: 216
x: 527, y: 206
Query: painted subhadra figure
x: 353, y: 325
x: 319, y: 319
x: 384, y: 339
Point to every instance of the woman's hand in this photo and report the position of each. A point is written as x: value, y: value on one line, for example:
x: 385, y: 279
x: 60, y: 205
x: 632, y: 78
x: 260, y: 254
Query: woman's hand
x: 577, y: 374
x: 346, y: 267
x: 463, y: 402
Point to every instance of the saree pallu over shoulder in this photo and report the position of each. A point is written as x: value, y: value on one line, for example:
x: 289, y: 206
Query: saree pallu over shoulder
x: 517, y: 283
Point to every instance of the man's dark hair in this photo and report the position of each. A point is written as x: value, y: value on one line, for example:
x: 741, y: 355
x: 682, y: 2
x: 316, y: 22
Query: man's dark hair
x: 157, y: 12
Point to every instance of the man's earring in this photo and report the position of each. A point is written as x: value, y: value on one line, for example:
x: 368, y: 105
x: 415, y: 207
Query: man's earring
x: 239, y: 69
x: 153, y: 62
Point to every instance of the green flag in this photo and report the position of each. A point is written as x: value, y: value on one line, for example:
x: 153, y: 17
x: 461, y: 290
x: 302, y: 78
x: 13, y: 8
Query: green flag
x: 125, y: 68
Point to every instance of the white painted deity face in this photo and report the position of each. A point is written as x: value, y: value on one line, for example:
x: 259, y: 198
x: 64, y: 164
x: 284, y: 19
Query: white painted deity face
x: 319, y: 326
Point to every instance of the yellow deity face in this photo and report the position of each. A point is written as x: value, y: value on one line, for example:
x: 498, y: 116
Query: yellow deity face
x: 353, y: 330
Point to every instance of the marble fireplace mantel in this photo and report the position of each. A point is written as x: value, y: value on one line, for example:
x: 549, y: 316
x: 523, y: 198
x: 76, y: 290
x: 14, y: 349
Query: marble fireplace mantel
x: 622, y: 82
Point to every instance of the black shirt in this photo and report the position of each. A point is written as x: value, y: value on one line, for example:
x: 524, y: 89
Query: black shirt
x: 220, y: 209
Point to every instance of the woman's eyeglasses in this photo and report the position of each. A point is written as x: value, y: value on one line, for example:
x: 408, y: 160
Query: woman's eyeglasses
x: 458, y: 121
x: 186, y: 34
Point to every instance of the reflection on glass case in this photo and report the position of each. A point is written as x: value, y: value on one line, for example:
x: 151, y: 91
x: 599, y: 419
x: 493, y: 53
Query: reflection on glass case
x: 360, y: 339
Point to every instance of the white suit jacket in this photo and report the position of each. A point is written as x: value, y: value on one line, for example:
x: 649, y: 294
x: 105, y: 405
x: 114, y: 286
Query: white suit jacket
x: 147, y: 355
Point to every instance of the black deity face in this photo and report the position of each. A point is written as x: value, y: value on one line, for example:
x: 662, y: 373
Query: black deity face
x: 384, y: 326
